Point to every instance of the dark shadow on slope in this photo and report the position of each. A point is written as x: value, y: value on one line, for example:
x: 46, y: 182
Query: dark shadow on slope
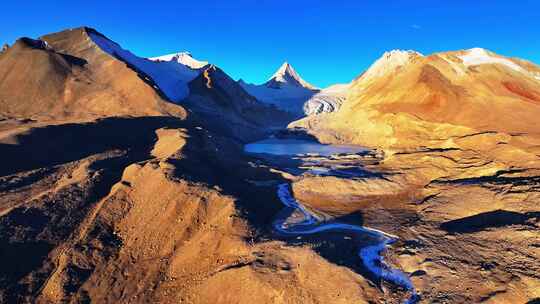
x: 42, y: 45
x: 502, y: 177
x: 341, y: 247
x: 29, y: 233
x: 8, y: 183
x: 260, y: 205
x: 492, y: 219
x: 295, y: 133
x: 220, y: 163
x: 57, y: 144
x: 74, y: 60
x: 227, y: 109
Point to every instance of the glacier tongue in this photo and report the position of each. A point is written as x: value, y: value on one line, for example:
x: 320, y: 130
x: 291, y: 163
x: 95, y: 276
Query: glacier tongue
x: 326, y: 101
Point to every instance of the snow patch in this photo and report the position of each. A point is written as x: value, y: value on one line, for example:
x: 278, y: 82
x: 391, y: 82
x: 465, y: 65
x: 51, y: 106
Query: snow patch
x: 457, y: 68
x: 170, y: 77
x: 478, y: 56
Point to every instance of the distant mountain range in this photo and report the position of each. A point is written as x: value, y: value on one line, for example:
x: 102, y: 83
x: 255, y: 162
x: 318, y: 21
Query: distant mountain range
x: 81, y: 73
x: 124, y: 179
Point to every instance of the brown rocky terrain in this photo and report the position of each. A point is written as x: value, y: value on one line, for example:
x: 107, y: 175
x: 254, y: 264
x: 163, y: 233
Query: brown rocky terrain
x: 459, y: 180
x: 223, y: 104
x: 109, y: 196
x: 405, y: 99
x: 110, y: 193
x: 135, y: 213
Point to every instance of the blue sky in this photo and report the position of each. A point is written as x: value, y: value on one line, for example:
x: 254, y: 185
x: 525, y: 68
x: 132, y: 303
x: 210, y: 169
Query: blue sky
x: 326, y: 41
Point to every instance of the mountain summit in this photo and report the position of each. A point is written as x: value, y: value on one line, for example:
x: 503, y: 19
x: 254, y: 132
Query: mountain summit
x: 184, y: 58
x: 285, y: 89
x: 389, y: 62
x: 287, y: 76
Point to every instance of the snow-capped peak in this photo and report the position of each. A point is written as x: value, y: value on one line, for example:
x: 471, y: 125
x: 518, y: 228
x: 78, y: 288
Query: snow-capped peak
x: 286, y: 75
x: 184, y: 58
x: 171, y: 78
x: 389, y: 61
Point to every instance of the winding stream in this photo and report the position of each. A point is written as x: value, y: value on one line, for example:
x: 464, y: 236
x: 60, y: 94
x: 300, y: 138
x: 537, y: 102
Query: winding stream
x: 310, y: 223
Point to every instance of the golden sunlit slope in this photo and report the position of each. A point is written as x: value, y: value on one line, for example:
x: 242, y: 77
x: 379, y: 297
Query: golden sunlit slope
x: 406, y: 99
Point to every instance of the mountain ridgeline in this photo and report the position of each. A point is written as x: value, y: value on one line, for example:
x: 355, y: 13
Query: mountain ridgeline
x: 82, y: 74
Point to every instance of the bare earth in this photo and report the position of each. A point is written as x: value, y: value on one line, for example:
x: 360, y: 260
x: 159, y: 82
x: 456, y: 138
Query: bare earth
x: 109, y: 193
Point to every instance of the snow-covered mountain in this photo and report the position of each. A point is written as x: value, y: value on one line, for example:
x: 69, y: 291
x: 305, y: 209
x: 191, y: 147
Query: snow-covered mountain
x: 184, y: 58
x: 285, y: 89
x: 287, y: 76
x: 170, y: 77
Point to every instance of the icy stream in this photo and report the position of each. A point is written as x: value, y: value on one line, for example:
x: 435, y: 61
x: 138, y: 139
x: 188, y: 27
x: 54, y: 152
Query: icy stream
x: 310, y: 223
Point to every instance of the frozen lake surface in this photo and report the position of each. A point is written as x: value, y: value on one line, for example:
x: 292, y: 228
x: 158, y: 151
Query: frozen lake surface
x: 277, y: 146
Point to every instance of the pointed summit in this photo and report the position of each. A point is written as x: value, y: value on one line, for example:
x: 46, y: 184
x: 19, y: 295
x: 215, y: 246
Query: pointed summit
x: 287, y: 76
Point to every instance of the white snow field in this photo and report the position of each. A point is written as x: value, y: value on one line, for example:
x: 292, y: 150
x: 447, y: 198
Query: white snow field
x: 478, y: 56
x: 171, y: 77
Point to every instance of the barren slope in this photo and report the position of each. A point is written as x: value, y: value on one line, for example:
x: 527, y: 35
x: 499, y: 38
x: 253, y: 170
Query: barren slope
x: 460, y: 173
x: 406, y: 99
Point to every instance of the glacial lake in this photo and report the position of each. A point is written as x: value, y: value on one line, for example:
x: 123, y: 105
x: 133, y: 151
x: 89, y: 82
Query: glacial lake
x: 278, y: 146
